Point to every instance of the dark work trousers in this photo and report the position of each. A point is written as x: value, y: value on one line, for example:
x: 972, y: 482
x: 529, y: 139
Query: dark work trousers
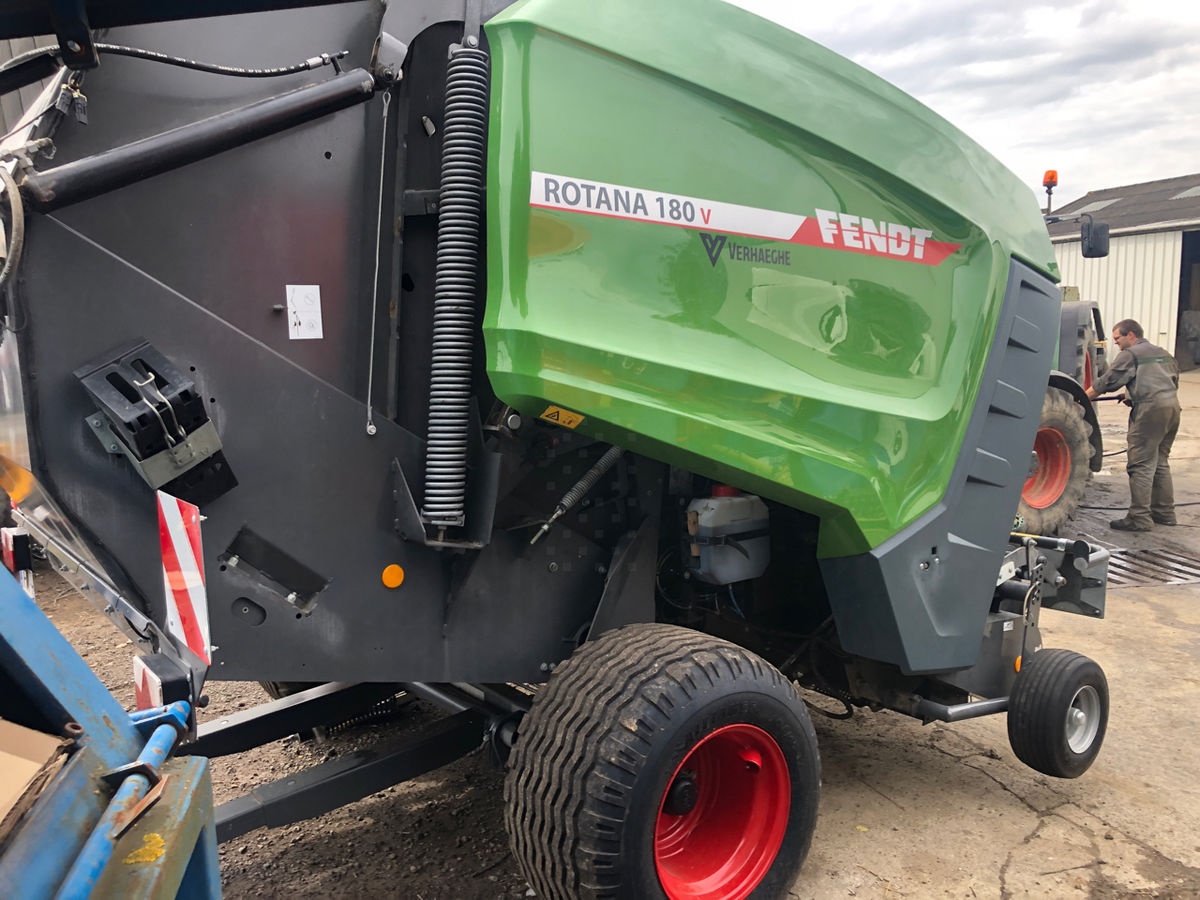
x: 1152, y: 430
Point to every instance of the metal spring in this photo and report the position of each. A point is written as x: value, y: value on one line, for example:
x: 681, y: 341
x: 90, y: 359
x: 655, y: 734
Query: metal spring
x: 588, y: 481
x: 460, y: 208
x: 582, y: 486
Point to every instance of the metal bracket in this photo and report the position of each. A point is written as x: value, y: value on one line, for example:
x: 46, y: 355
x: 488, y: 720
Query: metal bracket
x: 482, y: 490
x: 74, y: 34
x: 421, y: 203
x: 128, y: 819
x: 168, y: 464
x: 114, y: 778
x: 629, y: 591
x: 472, y: 16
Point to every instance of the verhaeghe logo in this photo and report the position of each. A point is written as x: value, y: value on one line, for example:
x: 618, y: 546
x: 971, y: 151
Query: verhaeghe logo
x: 714, y: 244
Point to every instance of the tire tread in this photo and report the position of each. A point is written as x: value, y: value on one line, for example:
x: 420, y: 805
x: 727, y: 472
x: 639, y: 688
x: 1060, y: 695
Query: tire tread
x: 583, y: 743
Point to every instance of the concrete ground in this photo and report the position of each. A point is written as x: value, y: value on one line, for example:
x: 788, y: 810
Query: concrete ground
x: 947, y: 810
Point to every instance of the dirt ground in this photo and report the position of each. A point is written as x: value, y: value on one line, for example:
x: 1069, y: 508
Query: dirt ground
x: 906, y: 810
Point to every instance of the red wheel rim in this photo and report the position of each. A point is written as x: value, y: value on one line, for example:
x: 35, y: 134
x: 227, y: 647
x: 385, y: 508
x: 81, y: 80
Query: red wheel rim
x: 1088, y: 376
x: 719, y: 841
x: 1049, y: 479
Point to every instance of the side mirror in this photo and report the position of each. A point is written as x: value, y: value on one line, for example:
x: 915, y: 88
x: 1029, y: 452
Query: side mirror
x: 1093, y: 238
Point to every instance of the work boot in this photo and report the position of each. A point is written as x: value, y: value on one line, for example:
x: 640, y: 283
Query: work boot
x: 1163, y: 520
x: 1127, y: 525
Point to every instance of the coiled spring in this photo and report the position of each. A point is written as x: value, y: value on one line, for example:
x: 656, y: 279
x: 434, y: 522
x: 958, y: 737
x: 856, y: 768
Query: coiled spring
x: 582, y: 486
x: 463, y: 159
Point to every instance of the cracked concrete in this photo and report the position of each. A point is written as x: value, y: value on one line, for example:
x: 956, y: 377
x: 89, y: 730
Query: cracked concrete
x: 948, y: 811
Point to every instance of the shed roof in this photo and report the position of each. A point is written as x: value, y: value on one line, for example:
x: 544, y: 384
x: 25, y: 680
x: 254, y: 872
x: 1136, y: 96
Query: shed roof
x: 1153, y: 205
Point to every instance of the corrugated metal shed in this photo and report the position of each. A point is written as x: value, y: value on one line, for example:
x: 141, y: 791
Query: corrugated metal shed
x: 1139, y: 279
x: 1147, y: 275
x: 14, y: 104
x: 1172, y: 204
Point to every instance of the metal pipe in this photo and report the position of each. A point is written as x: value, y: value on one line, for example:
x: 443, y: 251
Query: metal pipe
x: 98, y: 850
x: 928, y: 710
x: 506, y: 697
x: 1079, y: 548
x: 444, y: 695
x: 124, y: 165
x: 494, y: 701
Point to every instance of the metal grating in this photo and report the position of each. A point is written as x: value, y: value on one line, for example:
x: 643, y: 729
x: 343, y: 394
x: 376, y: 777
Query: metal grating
x: 1134, y: 568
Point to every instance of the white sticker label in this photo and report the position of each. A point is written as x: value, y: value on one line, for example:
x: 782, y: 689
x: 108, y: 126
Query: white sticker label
x: 715, y: 220
x: 304, y: 312
x: 620, y: 201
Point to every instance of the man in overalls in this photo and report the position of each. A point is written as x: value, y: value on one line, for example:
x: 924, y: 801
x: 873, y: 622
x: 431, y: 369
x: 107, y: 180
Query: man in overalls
x: 1151, y: 381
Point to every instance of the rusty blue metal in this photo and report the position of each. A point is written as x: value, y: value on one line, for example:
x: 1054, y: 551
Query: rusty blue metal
x: 91, y: 811
x: 94, y: 857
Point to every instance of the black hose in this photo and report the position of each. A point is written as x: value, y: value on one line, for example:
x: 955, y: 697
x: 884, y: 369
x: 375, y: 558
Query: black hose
x: 315, y: 62
x: 325, y: 59
x: 16, y: 242
x: 29, y: 55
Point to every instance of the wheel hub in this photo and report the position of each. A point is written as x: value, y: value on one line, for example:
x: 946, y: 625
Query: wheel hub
x: 1052, y: 471
x: 1083, y: 719
x: 682, y: 796
x: 722, y: 820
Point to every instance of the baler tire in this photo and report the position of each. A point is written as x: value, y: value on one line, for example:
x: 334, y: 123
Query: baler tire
x: 654, y: 749
x: 1052, y: 494
x: 1058, y: 713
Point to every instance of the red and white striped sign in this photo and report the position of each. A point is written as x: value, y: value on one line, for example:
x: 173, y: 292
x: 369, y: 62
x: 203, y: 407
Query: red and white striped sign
x: 183, y: 573
x: 147, y: 687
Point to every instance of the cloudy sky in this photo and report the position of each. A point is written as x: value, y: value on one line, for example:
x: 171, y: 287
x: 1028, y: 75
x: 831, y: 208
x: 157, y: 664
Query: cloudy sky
x: 1105, y: 91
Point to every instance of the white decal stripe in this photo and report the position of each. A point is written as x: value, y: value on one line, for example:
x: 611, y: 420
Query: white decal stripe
x: 620, y: 201
x: 189, y: 588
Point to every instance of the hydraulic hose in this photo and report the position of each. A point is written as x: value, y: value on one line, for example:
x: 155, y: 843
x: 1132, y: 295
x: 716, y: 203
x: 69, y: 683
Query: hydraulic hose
x: 315, y: 62
x: 53, y: 53
x: 16, y: 242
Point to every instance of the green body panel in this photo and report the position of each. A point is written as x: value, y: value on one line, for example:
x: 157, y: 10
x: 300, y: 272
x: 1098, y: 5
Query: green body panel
x: 647, y: 164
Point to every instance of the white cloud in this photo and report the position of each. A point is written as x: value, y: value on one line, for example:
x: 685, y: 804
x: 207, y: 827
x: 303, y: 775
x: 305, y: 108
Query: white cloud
x: 1104, y: 92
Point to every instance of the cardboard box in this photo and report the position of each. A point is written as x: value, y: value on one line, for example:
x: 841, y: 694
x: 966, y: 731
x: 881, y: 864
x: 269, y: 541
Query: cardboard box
x: 28, y: 760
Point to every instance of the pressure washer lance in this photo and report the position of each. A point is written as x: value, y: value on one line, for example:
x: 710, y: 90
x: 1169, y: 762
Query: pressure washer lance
x: 582, y: 486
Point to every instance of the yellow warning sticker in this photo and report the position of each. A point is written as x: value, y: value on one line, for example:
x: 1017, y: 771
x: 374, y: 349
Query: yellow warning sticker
x: 560, y: 416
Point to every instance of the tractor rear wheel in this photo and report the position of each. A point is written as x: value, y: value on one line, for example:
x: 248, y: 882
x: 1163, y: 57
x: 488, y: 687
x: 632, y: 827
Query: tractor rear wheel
x: 661, y: 762
x: 1063, y: 452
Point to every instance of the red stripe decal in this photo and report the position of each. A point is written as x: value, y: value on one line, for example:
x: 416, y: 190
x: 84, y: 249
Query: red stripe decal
x: 181, y: 576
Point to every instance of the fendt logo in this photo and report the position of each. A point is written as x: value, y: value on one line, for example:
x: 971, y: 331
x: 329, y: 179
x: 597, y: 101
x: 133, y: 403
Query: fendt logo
x: 849, y: 232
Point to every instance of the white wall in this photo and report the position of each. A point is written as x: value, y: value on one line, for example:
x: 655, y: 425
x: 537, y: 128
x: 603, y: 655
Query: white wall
x: 1139, y: 279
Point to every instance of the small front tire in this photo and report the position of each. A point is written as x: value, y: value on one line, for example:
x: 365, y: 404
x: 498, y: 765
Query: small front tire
x: 1058, y: 713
